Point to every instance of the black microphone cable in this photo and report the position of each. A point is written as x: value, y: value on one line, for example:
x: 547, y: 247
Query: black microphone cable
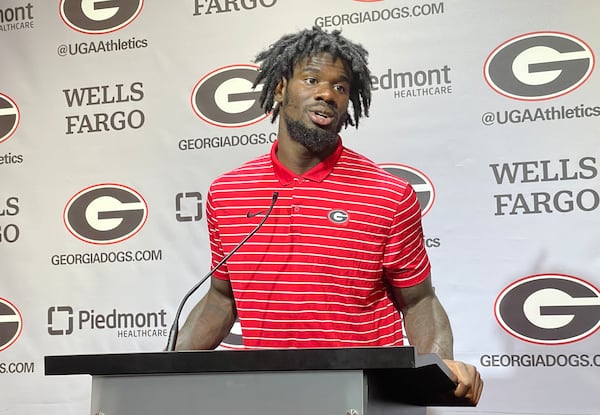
x: 172, y: 341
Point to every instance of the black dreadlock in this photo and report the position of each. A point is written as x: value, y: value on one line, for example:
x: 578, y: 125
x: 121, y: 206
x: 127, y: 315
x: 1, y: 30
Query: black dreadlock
x: 279, y: 60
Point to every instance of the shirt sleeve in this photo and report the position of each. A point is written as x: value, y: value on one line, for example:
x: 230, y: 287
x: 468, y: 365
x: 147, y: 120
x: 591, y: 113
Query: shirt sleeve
x: 405, y: 261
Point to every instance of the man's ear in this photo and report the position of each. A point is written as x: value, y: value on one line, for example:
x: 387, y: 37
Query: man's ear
x: 280, y: 91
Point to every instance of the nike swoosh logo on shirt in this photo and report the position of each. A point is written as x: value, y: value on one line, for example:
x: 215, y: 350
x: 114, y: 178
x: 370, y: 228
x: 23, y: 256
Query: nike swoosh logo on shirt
x: 254, y: 214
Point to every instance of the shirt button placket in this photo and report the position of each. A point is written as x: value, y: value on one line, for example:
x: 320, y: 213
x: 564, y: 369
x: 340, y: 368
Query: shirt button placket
x: 295, y: 205
x: 298, y: 193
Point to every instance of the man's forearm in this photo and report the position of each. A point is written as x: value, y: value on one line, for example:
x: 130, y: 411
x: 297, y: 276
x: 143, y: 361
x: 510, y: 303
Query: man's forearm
x: 208, y: 324
x: 428, y: 328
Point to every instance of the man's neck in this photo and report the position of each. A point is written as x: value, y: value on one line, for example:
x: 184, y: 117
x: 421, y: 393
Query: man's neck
x: 297, y: 158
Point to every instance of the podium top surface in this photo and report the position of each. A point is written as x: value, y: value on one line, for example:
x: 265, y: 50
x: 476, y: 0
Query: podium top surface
x: 398, y: 372
x: 376, y: 358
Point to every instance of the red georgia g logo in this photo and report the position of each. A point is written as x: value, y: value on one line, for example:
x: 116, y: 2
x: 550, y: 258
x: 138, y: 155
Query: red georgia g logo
x: 11, y: 324
x: 99, y: 16
x: 539, y: 66
x: 549, y: 309
x: 418, y: 180
x: 225, y: 98
x: 9, y: 117
x: 105, y: 214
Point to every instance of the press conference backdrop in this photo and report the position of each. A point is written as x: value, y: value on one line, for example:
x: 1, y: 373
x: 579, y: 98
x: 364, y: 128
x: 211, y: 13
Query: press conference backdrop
x: 116, y: 115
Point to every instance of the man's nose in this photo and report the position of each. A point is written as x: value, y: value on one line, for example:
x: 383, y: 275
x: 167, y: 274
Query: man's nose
x: 324, y: 92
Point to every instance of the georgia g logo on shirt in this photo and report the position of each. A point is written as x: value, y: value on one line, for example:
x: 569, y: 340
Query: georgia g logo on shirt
x: 338, y: 216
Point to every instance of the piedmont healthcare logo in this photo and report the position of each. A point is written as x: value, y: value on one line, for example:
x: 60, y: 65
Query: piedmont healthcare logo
x: 188, y: 207
x: 66, y: 320
x: 105, y: 214
x: 225, y: 97
x: 16, y: 18
x: 99, y: 16
x: 11, y: 324
x: 549, y: 309
x: 422, y: 83
x: 539, y: 66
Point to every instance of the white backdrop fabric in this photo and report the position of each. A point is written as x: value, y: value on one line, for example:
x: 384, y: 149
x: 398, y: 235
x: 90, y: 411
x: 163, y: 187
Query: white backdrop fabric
x: 116, y: 115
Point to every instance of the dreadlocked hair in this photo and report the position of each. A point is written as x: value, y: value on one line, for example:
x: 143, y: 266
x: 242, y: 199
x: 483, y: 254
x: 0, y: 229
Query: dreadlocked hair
x: 278, y: 62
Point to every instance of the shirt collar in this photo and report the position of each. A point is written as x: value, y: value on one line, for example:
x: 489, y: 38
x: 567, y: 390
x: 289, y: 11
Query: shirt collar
x: 316, y: 174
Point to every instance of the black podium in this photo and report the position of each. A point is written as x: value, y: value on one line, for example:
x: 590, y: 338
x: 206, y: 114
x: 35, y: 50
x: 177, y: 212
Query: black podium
x: 352, y: 381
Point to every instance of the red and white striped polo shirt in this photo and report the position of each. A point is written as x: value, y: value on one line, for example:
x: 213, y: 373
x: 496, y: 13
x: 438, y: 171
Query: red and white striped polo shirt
x: 313, y: 275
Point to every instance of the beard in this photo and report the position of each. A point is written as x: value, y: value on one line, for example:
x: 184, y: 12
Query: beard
x: 315, y: 139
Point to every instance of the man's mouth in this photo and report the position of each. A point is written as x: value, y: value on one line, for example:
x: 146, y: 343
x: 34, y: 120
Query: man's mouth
x: 321, y: 118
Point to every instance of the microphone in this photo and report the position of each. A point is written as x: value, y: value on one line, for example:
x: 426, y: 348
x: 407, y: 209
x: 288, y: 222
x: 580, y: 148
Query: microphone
x: 175, y: 327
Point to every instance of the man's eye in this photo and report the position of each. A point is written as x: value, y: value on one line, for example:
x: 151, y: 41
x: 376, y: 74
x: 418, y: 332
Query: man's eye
x: 340, y: 88
x: 310, y: 81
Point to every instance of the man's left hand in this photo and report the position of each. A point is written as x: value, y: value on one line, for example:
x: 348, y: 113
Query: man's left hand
x: 468, y: 380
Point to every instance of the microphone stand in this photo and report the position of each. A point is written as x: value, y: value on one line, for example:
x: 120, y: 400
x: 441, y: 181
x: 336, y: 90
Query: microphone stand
x: 172, y: 341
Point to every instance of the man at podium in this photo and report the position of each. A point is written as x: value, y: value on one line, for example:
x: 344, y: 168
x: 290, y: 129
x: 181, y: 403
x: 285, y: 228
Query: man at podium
x: 336, y: 257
